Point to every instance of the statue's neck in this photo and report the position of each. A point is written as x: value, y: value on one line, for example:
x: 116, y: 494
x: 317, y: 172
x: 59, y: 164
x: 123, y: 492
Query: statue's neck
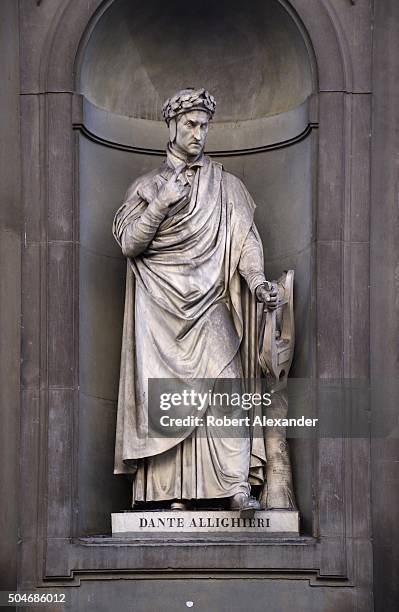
x: 182, y: 155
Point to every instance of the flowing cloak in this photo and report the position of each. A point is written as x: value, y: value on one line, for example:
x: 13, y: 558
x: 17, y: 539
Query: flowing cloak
x: 184, y: 315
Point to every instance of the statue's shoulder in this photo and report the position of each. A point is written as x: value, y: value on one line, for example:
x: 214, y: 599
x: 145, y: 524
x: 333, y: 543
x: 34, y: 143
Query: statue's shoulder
x: 236, y: 190
x: 230, y: 180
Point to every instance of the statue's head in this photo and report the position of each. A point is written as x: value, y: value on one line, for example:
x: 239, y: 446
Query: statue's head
x: 187, y: 114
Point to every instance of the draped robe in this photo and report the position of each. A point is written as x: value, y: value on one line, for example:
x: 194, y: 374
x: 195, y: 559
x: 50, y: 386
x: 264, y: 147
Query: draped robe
x: 183, y: 319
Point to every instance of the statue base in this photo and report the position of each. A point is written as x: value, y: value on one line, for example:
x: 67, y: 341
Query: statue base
x: 126, y: 524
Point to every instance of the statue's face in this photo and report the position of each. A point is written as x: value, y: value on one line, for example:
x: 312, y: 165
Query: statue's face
x: 191, y: 132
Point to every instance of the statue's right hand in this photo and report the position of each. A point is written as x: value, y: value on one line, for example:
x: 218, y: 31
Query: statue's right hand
x: 173, y: 190
x: 148, y: 191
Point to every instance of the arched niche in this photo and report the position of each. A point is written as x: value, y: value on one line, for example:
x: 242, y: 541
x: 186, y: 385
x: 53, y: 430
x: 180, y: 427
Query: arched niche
x: 259, y: 66
x: 254, y: 61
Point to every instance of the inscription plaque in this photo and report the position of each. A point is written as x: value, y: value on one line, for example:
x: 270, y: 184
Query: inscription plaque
x: 218, y: 521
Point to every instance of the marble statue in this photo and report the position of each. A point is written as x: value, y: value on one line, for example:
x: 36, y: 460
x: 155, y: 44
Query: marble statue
x: 195, y: 286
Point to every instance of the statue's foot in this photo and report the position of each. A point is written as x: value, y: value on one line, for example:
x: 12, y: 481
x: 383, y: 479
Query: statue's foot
x: 243, y: 502
x: 178, y: 505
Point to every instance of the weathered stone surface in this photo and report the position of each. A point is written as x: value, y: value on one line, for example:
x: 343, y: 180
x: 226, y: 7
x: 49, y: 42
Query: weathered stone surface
x: 10, y: 291
x: 384, y: 297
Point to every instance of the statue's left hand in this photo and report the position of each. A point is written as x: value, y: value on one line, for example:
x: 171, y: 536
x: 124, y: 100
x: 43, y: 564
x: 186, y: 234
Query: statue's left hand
x: 268, y: 296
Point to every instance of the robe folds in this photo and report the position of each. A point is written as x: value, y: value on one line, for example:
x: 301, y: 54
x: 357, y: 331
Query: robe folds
x: 184, y: 319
